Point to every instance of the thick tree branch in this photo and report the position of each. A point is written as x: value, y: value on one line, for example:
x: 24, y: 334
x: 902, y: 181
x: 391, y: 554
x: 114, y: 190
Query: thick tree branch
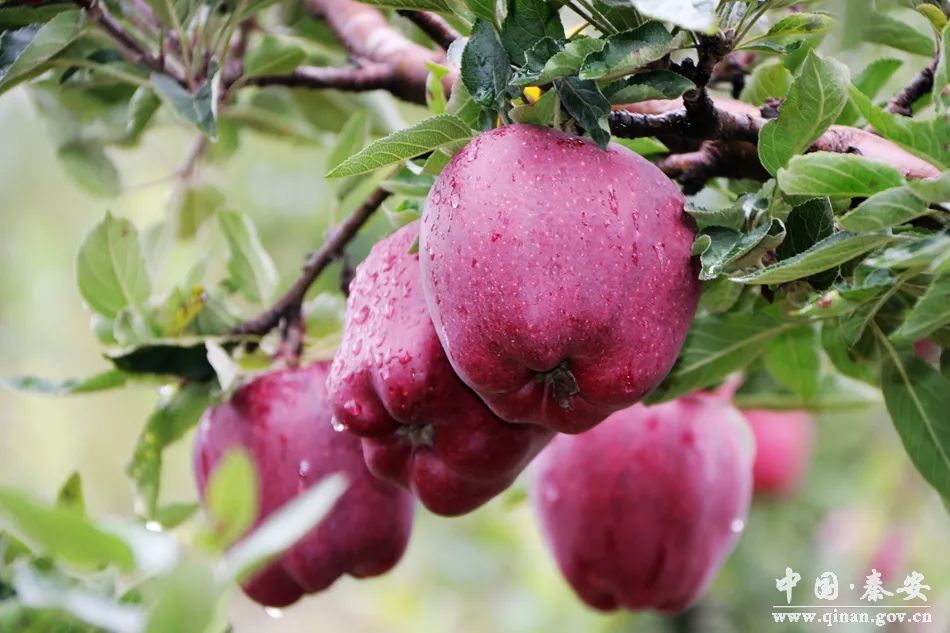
x: 738, y: 121
x: 287, y: 308
x: 130, y: 48
x: 713, y: 159
x: 440, y: 31
x: 370, y: 76
x: 903, y: 101
x: 364, y: 31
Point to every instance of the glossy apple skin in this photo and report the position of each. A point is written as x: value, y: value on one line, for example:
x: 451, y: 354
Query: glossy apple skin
x: 641, y: 511
x: 540, y: 251
x: 282, y: 419
x: 783, y: 442
x: 392, y: 384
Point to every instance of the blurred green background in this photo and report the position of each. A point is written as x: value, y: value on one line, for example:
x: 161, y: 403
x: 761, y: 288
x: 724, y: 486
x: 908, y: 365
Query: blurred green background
x: 487, y: 572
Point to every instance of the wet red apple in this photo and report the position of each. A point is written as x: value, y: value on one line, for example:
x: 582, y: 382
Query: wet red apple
x: 282, y: 419
x: 641, y: 511
x: 558, y: 274
x: 392, y: 384
x: 783, y: 441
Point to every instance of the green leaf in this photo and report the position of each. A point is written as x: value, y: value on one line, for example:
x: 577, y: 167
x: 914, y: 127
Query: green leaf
x: 912, y: 253
x: 628, y: 51
x: 934, y: 190
x: 463, y: 106
x: 110, y: 379
x: 793, y: 358
x: 527, y: 22
x: 715, y: 347
x: 587, y: 105
x: 890, y: 31
x: 884, y: 210
x: 283, y: 528
x: 200, y: 109
x: 836, y: 176
x: 172, y: 12
x: 918, y: 398
x: 173, y: 417
x: 70, y: 495
x: 828, y: 253
x: 16, y: 15
x: 44, y: 590
x: 197, y: 203
x: 805, y: 226
x: 485, y: 64
x: 439, y: 6
x: 250, y: 268
x: 23, y: 53
x: 870, y: 82
x: 425, y: 136
x: 272, y: 56
x: 111, y: 268
x: 91, y: 168
x: 941, y: 89
x: 839, y: 352
x: 771, y: 80
x: 185, y: 602
x: 539, y: 113
x: 653, y: 84
x: 561, y: 64
x: 930, y: 313
x: 142, y: 108
x: 231, y: 497
x: 815, y: 100
x: 63, y: 533
x: 693, y: 15
x: 929, y: 140
x: 483, y: 9
x: 174, y: 514
x: 729, y: 246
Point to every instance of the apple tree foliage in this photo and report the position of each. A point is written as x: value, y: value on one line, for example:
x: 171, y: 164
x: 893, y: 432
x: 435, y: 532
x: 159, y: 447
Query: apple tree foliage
x: 823, y: 219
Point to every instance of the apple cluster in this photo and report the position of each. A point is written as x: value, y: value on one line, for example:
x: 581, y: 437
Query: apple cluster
x: 547, y: 289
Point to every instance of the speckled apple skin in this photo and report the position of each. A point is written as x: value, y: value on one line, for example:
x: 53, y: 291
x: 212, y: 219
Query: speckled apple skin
x: 783, y: 441
x: 283, y: 420
x: 540, y: 248
x: 641, y: 511
x: 390, y: 380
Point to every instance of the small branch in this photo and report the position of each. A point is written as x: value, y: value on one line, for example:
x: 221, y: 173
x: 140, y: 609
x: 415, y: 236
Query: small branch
x: 903, y: 101
x: 129, y: 47
x: 287, y: 308
x: 370, y: 76
x: 440, y: 31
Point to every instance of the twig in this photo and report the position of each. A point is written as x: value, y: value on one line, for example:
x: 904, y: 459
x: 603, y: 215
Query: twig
x: 129, y: 47
x: 287, y: 308
x: 713, y: 159
x: 440, y: 31
x: 903, y: 101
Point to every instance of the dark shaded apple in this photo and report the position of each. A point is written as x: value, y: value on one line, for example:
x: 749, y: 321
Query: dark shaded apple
x: 783, y: 441
x: 392, y: 384
x: 641, y: 511
x: 282, y: 419
x: 558, y: 275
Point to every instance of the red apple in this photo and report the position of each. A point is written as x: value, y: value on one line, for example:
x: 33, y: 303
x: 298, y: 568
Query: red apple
x: 392, y: 384
x: 783, y: 441
x: 558, y: 274
x: 282, y: 419
x: 641, y: 511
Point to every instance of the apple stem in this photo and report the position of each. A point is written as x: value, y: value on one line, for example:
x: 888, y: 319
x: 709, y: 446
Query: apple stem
x: 563, y: 384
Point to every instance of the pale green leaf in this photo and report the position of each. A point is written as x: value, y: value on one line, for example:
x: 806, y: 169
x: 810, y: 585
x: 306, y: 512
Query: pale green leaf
x: 111, y: 268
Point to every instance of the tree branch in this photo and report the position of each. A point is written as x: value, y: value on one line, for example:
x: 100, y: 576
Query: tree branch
x: 923, y: 83
x: 440, y: 31
x: 713, y: 159
x: 370, y: 76
x: 287, y: 308
x: 364, y: 31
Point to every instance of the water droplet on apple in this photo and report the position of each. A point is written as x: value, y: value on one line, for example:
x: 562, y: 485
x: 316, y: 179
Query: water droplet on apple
x: 274, y: 612
x: 304, y: 468
x: 338, y: 426
x: 737, y: 526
